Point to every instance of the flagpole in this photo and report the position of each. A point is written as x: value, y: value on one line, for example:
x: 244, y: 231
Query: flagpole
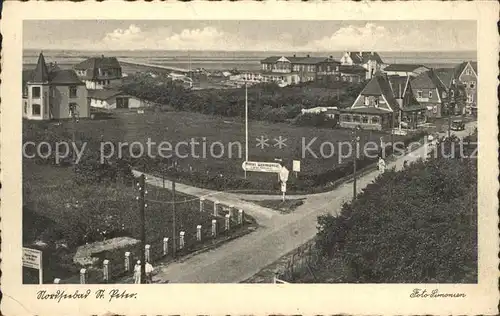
x: 246, y: 125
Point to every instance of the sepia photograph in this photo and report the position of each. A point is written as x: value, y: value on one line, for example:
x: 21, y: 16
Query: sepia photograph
x: 319, y: 155
x: 250, y: 151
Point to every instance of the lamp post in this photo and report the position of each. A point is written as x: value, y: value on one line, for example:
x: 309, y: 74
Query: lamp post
x: 246, y: 125
x: 174, y: 234
x: 355, y: 141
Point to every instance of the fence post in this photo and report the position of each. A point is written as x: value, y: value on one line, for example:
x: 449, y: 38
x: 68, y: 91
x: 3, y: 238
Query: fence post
x: 127, y: 261
x: 105, y: 270
x: 57, y: 281
x: 83, y: 276
x: 214, y: 228
x: 165, y: 246
x: 181, y: 240
x: 202, y: 204
x: 198, y: 233
x: 147, y: 250
x: 240, y: 217
x: 227, y: 219
x: 216, y: 208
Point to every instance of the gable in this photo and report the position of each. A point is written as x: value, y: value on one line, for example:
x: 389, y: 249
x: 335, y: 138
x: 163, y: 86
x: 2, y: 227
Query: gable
x: 467, y: 67
x: 283, y: 59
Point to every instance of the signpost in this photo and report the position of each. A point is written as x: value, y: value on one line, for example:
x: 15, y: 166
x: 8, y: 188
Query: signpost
x: 261, y: 166
x: 32, y: 258
x: 296, y: 167
x: 284, y: 178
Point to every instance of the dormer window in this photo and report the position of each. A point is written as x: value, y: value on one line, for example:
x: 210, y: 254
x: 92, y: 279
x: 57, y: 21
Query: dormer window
x: 367, y: 101
x: 376, y: 102
x: 430, y: 94
x: 419, y: 94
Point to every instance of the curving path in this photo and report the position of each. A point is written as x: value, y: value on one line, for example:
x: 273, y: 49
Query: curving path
x: 277, y: 235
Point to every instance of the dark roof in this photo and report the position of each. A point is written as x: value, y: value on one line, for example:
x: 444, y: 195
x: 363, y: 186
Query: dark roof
x: 99, y: 62
x: 103, y: 94
x: 367, y: 110
x: 271, y: 59
x: 428, y: 80
x: 52, y: 74
x: 398, y: 85
x: 41, y: 72
x: 354, y: 69
x: 446, y: 75
x: 364, y: 57
x: 310, y: 60
x: 66, y: 76
x: 402, y: 67
x: 414, y: 107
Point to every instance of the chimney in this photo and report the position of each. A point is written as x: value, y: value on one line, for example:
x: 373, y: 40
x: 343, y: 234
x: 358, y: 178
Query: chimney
x: 294, y: 55
x: 308, y: 55
x: 102, y: 56
x: 331, y: 57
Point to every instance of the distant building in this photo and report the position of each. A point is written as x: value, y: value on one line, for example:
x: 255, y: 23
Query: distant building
x: 99, y: 72
x: 290, y: 70
x: 53, y: 93
x: 383, y: 104
x: 462, y: 79
x: 111, y: 99
x: 329, y: 111
x: 371, y: 61
x: 430, y: 91
x: 352, y: 73
x: 404, y: 70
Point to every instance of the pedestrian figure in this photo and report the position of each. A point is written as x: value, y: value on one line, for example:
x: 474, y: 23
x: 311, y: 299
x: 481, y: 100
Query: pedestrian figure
x: 149, y: 272
x: 381, y: 165
x: 137, y: 272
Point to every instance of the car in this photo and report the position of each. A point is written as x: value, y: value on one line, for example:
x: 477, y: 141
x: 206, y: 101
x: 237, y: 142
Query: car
x: 457, y: 125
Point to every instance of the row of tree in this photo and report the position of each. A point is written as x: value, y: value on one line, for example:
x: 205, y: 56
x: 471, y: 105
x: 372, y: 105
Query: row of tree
x: 414, y: 226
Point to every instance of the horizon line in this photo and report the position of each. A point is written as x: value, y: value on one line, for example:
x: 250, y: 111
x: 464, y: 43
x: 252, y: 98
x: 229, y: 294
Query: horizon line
x: 243, y: 50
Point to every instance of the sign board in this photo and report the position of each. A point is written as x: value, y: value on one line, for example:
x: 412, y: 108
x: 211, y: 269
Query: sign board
x: 32, y: 258
x: 261, y: 166
x: 284, y: 174
x: 296, y: 166
x: 283, y: 187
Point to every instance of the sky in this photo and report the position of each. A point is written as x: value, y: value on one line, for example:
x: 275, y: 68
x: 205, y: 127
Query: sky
x: 250, y: 35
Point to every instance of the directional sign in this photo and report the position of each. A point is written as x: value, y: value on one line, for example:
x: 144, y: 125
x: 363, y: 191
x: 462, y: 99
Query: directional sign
x: 283, y: 187
x: 261, y: 166
x: 284, y: 174
x: 32, y: 258
x: 296, y: 166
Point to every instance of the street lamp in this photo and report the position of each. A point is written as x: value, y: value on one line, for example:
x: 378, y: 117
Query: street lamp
x: 355, y: 140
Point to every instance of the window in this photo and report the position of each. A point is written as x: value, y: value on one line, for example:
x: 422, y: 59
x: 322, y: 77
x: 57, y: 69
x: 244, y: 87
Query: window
x: 419, y: 94
x: 376, y: 102
x: 375, y: 120
x: 73, y: 109
x: 122, y: 103
x: 430, y: 94
x: 337, y: 69
x: 444, y: 94
x: 472, y: 85
x: 356, y: 118
x: 35, y: 92
x: 73, y: 92
x: 470, y: 98
x: 452, y: 93
x: 365, y: 119
x: 36, y: 109
x: 25, y: 107
x: 346, y: 118
x: 367, y: 101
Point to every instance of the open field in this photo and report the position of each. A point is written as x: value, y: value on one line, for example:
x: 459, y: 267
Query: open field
x: 225, y: 136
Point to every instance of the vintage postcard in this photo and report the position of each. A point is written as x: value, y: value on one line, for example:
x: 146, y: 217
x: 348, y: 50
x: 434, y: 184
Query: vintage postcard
x: 249, y: 158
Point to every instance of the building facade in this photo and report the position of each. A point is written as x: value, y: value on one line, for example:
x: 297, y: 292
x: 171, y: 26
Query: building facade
x: 371, y: 61
x: 53, y: 93
x: 431, y: 92
x: 384, y: 103
x: 111, y: 99
x: 404, y: 70
x: 99, y: 72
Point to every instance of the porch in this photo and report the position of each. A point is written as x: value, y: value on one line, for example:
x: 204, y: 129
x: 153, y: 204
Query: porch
x: 366, y: 118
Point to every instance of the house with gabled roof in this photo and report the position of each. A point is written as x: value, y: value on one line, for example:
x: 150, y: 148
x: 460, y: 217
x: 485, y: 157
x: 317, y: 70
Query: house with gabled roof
x: 405, y: 70
x: 50, y: 92
x: 430, y: 91
x: 462, y: 79
x: 100, y: 72
x: 371, y: 61
x: 384, y: 103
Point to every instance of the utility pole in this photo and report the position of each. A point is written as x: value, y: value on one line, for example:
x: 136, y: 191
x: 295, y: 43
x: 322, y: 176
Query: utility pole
x: 174, y: 234
x: 142, y: 206
x: 246, y: 125
x: 73, y: 134
x: 355, y: 142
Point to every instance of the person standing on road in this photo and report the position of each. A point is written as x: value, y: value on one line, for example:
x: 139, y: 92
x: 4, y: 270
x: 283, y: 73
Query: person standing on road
x: 149, y: 272
x: 137, y: 272
x: 381, y: 165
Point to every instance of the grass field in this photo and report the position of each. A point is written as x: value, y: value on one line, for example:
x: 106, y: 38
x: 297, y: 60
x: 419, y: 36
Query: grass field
x: 176, y: 127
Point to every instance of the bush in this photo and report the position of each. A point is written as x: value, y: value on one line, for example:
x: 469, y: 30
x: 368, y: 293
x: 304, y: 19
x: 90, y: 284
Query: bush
x: 417, y: 225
